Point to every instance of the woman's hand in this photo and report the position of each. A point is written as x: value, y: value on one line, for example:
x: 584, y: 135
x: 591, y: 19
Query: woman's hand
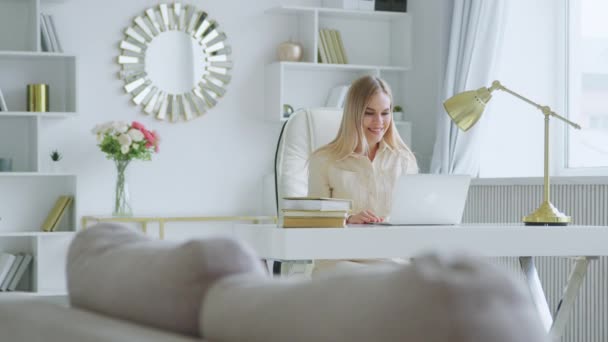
x: 366, y: 216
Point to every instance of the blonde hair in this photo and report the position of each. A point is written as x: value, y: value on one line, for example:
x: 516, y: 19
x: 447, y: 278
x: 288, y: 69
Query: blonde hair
x: 351, y: 134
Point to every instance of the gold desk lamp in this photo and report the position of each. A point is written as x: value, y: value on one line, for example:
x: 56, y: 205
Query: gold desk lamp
x: 466, y: 108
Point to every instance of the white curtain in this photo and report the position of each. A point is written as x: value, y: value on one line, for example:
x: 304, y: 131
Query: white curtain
x: 475, y: 38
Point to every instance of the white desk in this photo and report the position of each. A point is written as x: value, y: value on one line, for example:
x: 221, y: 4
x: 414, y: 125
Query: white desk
x: 490, y: 240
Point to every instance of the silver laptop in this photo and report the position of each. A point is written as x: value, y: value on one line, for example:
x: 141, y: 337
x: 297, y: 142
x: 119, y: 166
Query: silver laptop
x: 429, y: 199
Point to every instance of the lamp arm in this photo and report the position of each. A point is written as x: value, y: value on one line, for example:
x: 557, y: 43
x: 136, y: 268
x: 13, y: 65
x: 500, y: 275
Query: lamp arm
x: 496, y: 85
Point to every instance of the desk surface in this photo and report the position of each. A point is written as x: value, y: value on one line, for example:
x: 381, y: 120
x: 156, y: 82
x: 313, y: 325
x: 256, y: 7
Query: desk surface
x: 365, y: 241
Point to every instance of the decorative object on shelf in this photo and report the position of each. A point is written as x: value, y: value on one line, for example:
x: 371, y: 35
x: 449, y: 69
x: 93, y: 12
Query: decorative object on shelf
x: 287, y: 110
x: 466, y: 108
x: 55, y: 161
x: 366, y: 5
x: 175, y: 62
x: 344, y: 4
x: 391, y: 5
x: 6, y: 164
x: 38, y: 97
x: 3, y: 107
x: 398, y: 113
x: 289, y: 51
x: 123, y: 142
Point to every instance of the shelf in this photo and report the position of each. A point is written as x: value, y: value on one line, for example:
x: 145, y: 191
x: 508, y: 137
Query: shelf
x: 35, y: 294
x: 35, y: 174
x: 337, y: 12
x: 40, y: 114
x: 34, y: 54
x: 324, y: 66
x: 35, y: 234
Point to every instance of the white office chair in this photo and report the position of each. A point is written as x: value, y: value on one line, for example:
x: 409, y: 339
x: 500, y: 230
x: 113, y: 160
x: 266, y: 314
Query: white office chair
x: 304, y: 132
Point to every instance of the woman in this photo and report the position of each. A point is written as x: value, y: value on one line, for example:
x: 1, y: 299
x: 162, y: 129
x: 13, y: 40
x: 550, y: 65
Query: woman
x: 364, y: 161
x: 367, y: 156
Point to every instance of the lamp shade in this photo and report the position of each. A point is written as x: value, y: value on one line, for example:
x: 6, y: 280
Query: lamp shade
x: 466, y: 108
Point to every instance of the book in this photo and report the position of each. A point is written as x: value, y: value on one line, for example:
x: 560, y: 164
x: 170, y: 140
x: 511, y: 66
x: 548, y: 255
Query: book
x: 45, y: 39
x: 316, y: 203
x: 314, y: 222
x: 315, y: 213
x: 11, y: 273
x: 341, y: 47
x: 331, y: 51
x: 3, y: 107
x: 6, y: 261
x: 20, y: 272
x: 335, y: 43
x: 322, y: 49
x: 54, y: 217
x: 50, y: 25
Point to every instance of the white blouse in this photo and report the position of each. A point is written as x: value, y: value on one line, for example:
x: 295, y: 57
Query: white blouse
x: 369, y: 184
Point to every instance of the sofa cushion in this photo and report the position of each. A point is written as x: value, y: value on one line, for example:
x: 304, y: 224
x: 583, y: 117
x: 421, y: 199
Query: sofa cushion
x: 119, y: 272
x: 432, y: 300
x: 37, y: 320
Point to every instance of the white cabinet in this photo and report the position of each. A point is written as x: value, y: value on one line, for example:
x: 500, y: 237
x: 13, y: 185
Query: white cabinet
x: 376, y: 43
x: 28, y: 192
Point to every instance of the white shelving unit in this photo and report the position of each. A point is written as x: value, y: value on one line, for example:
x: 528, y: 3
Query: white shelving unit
x: 376, y: 43
x: 29, y: 191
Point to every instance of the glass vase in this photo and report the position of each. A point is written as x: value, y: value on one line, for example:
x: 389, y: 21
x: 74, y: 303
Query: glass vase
x: 122, y: 204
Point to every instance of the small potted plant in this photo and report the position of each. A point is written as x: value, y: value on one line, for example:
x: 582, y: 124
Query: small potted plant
x: 55, y: 158
x: 398, y: 113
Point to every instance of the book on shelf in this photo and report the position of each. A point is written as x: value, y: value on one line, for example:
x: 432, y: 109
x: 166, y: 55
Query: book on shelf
x: 331, y: 50
x: 316, y: 203
x: 3, y: 107
x: 50, y: 40
x: 56, y: 214
x: 315, y: 213
x: 323, y: 57
x: 314, y: 222
x: 23, y: 266
x: 11, y: 273
x: 45, y: 38
x: 6, y: 262
x: 333, y: 34
x: 341, y: 47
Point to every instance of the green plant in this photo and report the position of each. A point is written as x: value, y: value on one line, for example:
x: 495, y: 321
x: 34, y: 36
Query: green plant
x: 397, y: 109
x: 56, y: 156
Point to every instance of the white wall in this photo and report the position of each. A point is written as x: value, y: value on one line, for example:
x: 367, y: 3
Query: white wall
x: 529, y: 65
x: 213, y: 165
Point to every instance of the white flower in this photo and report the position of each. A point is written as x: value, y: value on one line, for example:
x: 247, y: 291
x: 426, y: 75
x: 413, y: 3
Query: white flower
x: 136, y: 135
x: 99, y: 137
x: 124, y: 140
x: 120, y: 126
x: 135, y: 146
x: 124, y: 149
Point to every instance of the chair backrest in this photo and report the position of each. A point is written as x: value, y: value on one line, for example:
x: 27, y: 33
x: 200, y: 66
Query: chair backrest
x: 304, y: 132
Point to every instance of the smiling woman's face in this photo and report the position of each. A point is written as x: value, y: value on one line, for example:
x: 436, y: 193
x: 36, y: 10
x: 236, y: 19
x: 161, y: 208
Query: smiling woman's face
x: 377, y: 118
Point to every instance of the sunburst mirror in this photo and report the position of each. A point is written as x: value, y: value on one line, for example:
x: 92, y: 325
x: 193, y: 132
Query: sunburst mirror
x: 175, y: 62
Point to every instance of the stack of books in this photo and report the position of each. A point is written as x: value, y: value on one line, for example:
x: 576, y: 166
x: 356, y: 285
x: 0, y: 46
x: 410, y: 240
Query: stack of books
x: 331, y: 48
x: 315, y: 212
x: 12, y: 269
x: 54, y: 217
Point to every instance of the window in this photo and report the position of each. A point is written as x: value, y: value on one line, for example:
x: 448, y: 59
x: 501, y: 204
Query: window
x: 587, y: 90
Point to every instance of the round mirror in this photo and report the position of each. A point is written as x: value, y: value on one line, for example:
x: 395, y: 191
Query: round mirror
x: 175, y: 62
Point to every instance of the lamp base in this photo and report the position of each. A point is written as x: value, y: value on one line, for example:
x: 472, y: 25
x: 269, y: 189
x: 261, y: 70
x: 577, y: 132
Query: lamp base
x: 547, y: 215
